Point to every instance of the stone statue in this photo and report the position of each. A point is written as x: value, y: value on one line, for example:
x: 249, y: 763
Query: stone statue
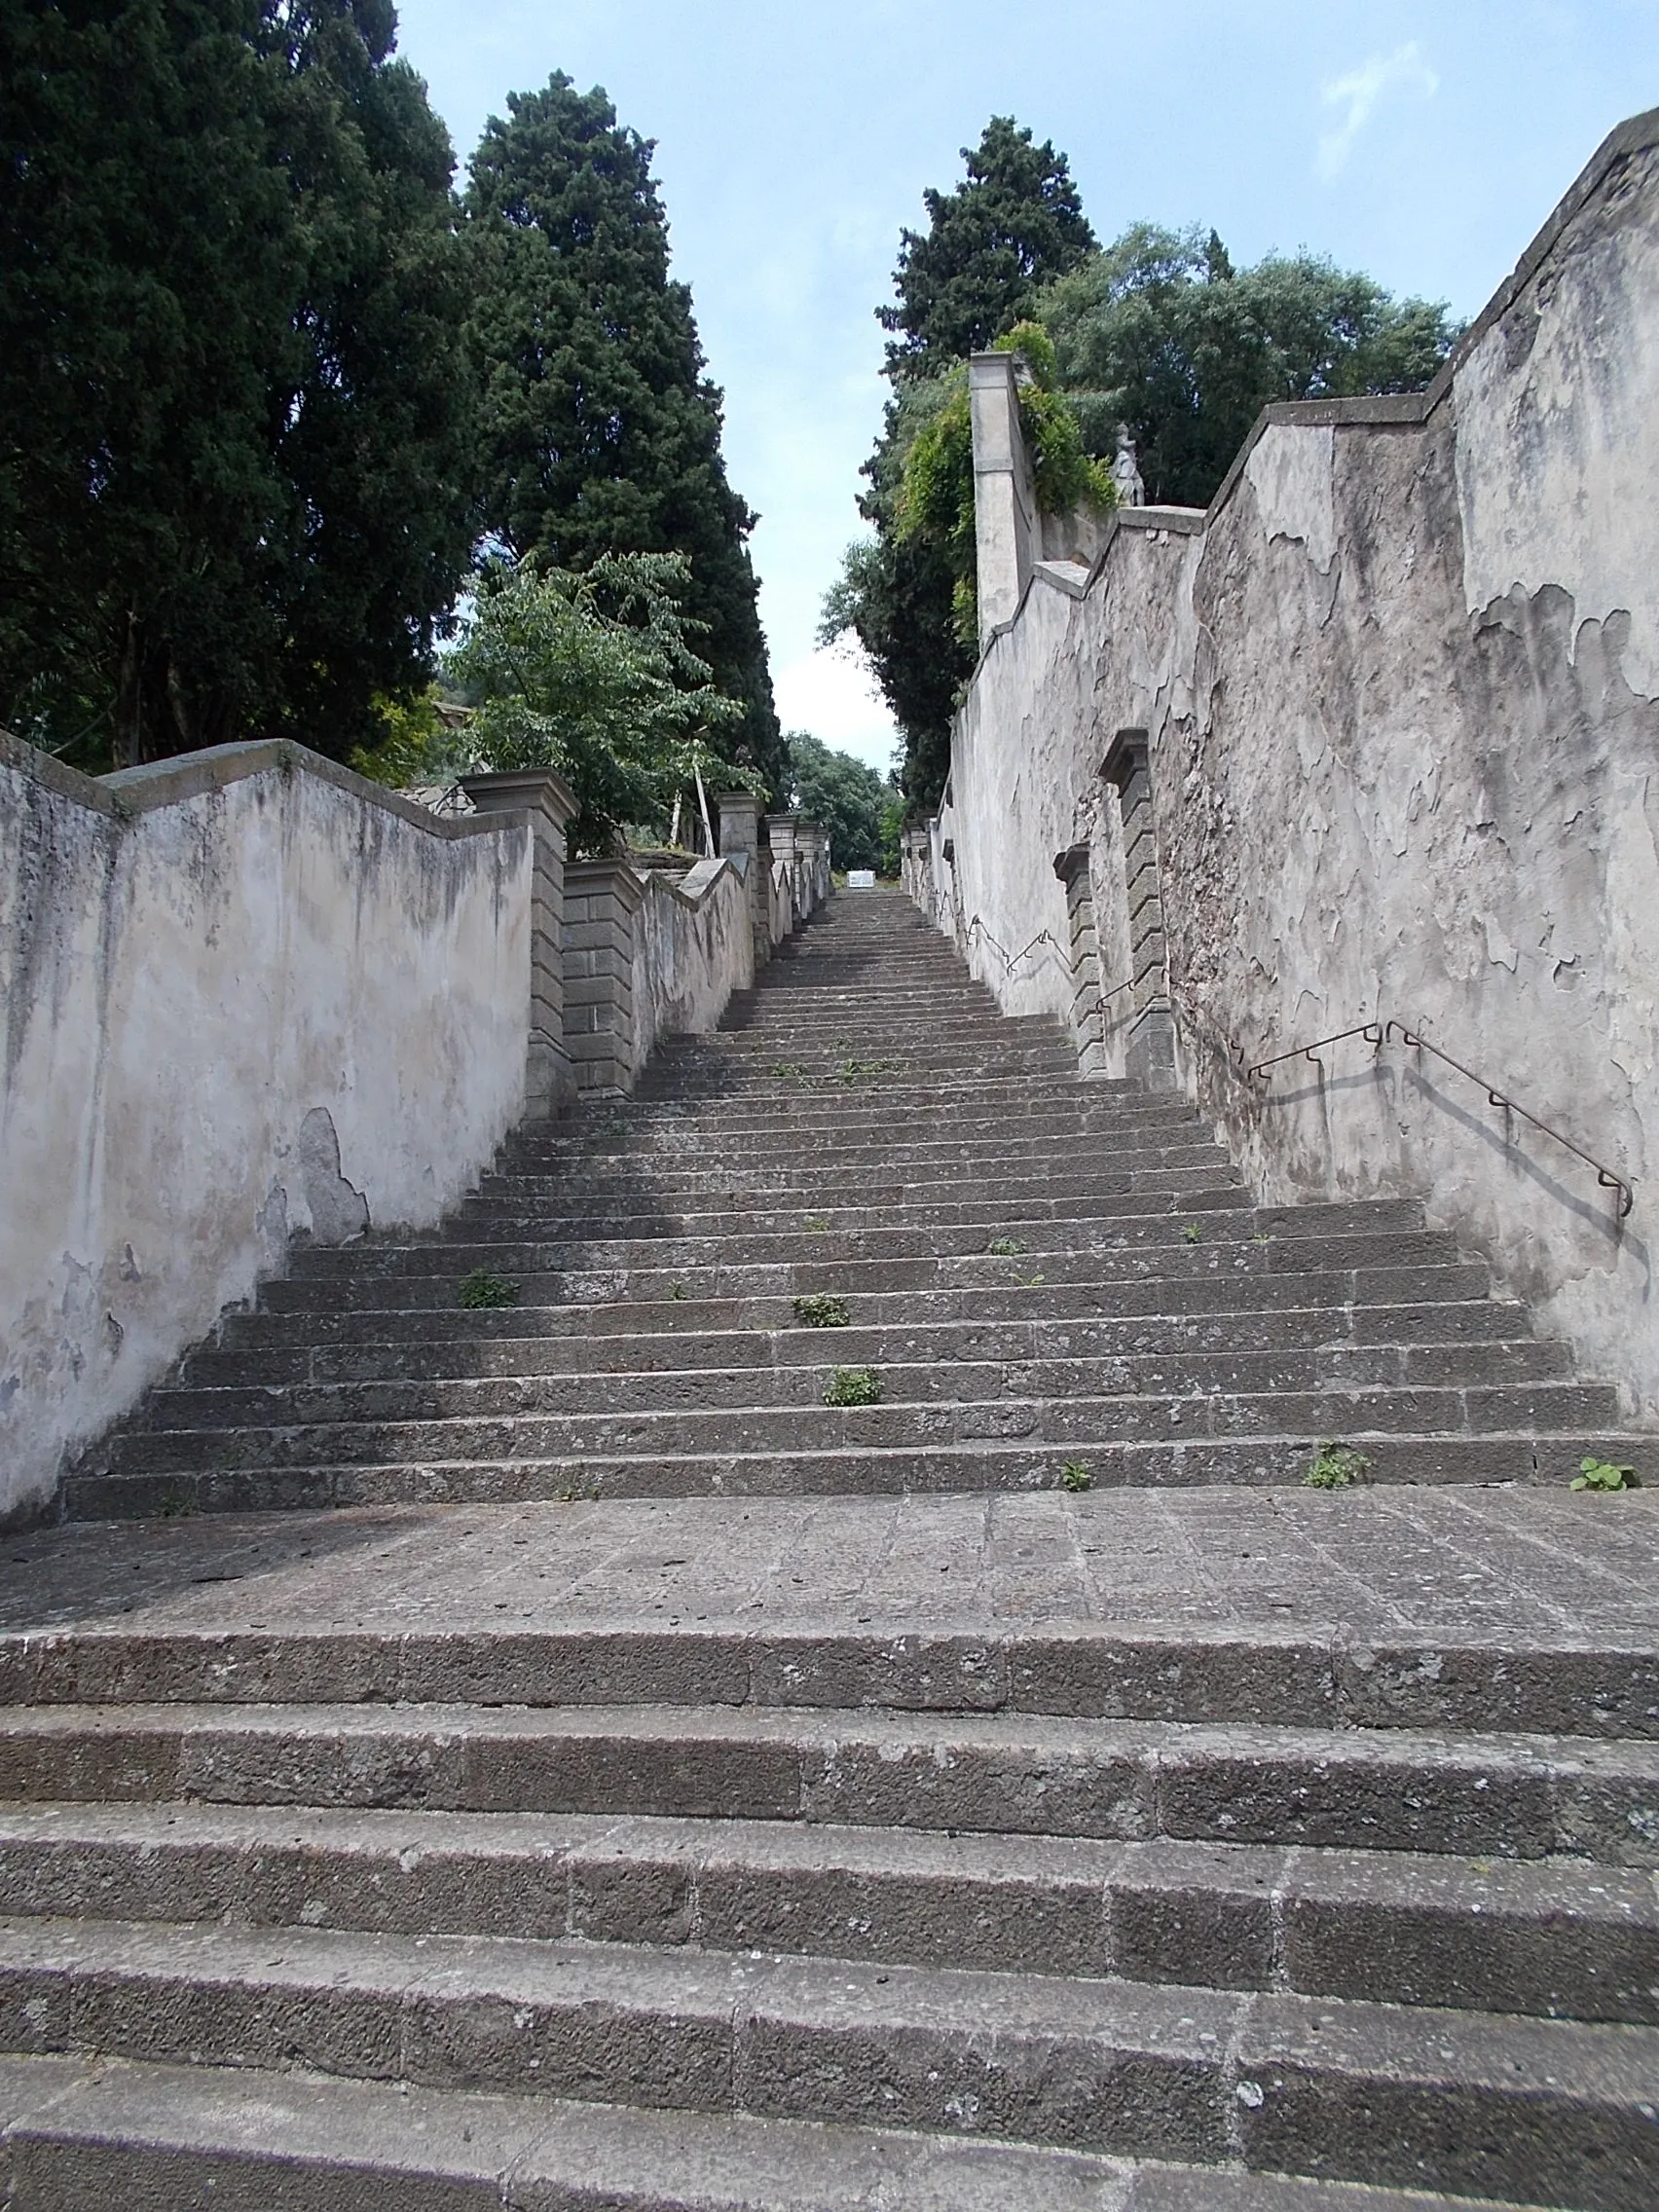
x: 1125, y: 472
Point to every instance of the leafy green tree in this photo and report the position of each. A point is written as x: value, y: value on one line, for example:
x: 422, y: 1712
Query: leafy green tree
x: 1161, y: 333
x: 600, y: 433
x: 850, y: 799
x: 591, y: 672
x: 1015, y: 223
x: 235, y: 406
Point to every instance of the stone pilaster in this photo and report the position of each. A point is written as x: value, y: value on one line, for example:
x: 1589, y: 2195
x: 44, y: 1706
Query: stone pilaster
x: 783, y: 835
x: 1004, y: 505
x: 549, y: 1084
x: 1149, y: 1045
x: 601, y: 898
x: 740, y: 842
x: 1072, y: 866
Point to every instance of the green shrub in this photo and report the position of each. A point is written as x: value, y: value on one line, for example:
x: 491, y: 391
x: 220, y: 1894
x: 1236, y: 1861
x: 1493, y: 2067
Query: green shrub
x: 852, y: 1386
x: 482, y: 1288
x: 1603, y: 1474
x: 819, y: 1311
x: 1337, y: 1467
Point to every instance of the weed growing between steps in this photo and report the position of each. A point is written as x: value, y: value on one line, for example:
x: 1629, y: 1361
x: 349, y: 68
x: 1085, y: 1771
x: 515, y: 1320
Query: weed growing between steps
x: 815, y: 1222
x: 1076, y: 1476
x: 853, y: 1387
x: 482, y: 1289
x: 1193, y: 1234
x: 1337, y: 1467
x: 1602, y: 1475
x: 1004, y: 1247
x: 819, y: 1311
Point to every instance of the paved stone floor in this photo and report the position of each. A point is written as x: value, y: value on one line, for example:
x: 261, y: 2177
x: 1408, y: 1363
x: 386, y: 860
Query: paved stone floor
x: 1457, y: 1563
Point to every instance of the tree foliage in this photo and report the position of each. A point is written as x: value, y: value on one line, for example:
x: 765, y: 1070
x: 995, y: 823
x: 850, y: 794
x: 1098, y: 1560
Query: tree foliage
x: 235, y: 407
x: 861, y: 809
x: 1013, y: 224
x: 592, y: 672
x: 971, y: 273
x: 1161, y: 333
x: 601, y: 432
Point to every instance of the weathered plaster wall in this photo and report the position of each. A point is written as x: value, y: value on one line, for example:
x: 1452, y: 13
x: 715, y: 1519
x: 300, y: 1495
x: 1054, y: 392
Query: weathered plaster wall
x: 1400, y: 694
x: 241, y: 995
x: 693, y: 947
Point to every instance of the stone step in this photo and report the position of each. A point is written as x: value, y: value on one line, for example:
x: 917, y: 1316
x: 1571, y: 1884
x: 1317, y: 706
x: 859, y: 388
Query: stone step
x: 429, y: 1276
x: 627, y: 1184
x: 813, y: 1651
x: 1482, y: 1795
x: 862, y: 1470
x: 152, y: 2138
x: 1559, y: 1938
x: 616, y: 1137
x: 1559, y: 2108
x: 677, y: 1380
x: 1366, y: 1305
x: 1297, y: 1336
x: 743, y: 1419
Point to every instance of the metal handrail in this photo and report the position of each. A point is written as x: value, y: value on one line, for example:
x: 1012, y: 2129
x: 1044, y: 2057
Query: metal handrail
x: 1382, y: 1033
x: 1371, y: 1031
x: 1012, y: 960
x: 1415, y: 1041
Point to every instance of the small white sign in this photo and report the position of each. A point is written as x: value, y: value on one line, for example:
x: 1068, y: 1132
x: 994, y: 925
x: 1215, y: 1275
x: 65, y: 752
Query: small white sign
x: 861, y: 879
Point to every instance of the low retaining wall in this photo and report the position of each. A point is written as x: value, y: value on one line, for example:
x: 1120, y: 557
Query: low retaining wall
x: 245, y: 995
x: 1373, y: 742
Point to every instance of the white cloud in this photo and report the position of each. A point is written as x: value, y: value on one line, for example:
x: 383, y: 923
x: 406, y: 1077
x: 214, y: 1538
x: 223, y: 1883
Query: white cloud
x: 833, y: 695
x: 1359, y: 92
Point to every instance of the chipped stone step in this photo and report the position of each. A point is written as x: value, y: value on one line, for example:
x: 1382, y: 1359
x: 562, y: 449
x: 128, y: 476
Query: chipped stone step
x: 1562, y: 1938
x: 866, y: 1471
x: 803, y: 1423
x: 1173, y: 1266
x: 154, y: 2138
x: 1431, y: 1306
x: 1284, y: 1675
x: 1515, y: 1796
x: 678, y: 1381
x: 1090, y: 2065
x: 1295, y: 1336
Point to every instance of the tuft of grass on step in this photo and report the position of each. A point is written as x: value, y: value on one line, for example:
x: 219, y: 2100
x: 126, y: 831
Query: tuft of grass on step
x: 1337, y: 1467
x: 1193, y: 1234
x: 817, y: 1222
x: 818, y: 1310
x: 481, y: 1288
x: 1075, y: 1475
x: 1603, y: 1475
x: 853, y: 1387
x: 1006, y: 1247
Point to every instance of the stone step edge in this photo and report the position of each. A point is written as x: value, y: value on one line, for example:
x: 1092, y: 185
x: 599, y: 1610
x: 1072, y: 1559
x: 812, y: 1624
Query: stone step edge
x: 1576, y: 1937
x: 1324, y: 1677
x: 1274, y: 2080
x: 130, y: 2133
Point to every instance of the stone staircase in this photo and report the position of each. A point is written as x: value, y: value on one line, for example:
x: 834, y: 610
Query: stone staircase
x: 652, y: 1787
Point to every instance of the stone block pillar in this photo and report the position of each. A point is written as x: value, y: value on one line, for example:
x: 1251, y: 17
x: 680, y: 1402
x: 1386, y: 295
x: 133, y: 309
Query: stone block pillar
x: 783, y: 834
x: 1087, y: 1028
x: 1149, y: 1045
x: 1004, y: 504
x: 740, y: 842
x: 601, y: 898
x: 549, y: 1084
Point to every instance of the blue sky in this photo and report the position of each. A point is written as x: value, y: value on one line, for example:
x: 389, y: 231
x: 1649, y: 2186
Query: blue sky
x: 1421, y: 143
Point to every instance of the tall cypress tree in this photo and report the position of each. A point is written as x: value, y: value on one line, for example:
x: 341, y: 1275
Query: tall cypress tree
x: 235, y: 405
x: 601, y: 431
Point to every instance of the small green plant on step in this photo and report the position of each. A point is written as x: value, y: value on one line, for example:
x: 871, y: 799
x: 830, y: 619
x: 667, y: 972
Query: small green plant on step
x: 819, y: 1311
x: 1004, y: 1247
x: 677, y: 1290
x: 1029, y: 1282
x: 481, y: 1288
x: 1603, y: 1474
x: 817, y: 1222
x: 852, y: 1386
x: 1337, y: 1467
x: 579, y: 1493
x: 1193, y: 1234
x: 1074, y: 1476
